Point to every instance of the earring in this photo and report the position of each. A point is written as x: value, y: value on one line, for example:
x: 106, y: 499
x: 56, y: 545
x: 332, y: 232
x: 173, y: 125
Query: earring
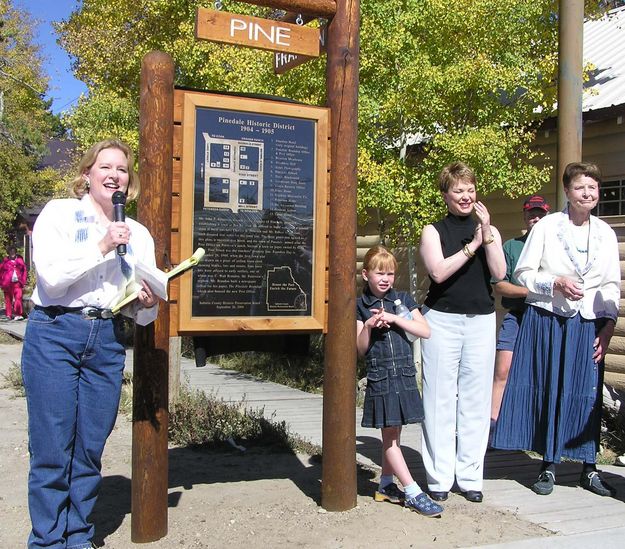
x: 87, y: 183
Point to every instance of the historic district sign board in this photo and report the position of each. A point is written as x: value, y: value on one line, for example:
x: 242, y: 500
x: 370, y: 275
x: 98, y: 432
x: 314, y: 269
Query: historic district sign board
x: 254, y: 196
x: 255, y: 32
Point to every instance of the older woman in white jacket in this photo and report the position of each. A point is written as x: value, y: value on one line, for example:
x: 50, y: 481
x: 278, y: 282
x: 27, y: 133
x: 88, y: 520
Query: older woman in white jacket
x: 552, y: 403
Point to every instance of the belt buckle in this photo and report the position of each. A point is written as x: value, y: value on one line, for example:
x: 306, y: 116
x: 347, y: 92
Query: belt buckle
x: 93, y: 313
x: 106, y: 314
x: 89, y: 313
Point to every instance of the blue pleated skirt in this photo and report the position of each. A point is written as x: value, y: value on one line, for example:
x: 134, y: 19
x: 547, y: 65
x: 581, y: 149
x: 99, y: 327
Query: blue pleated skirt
x: 552, y: 401
x: 392, y: 397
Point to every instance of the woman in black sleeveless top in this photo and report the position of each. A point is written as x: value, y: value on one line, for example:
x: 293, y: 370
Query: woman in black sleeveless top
x: 461, y: 255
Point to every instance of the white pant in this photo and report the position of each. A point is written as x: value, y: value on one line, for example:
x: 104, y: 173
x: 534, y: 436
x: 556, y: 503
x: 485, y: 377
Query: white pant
x: 458, y: 360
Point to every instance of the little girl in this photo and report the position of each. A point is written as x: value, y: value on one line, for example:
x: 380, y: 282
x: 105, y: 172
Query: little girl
x: 392, y: 398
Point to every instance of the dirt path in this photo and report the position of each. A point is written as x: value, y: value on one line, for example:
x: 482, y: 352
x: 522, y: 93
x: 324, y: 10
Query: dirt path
x: 256, y: 498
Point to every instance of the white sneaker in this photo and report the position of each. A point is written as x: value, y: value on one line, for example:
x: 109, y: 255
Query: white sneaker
x: 18, y: 317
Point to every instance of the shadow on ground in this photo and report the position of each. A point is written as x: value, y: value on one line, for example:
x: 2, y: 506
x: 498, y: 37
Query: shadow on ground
x: 192, y: 467
x: 522, y: 468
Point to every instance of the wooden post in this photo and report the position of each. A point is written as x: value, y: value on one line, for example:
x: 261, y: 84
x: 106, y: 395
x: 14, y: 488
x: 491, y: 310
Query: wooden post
x: 570, y: 75
x: 324, y: 8
x: 338, y: 489
x: 150, y: 381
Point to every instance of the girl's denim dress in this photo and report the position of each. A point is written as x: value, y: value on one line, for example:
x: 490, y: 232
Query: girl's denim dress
x: 392, y: 397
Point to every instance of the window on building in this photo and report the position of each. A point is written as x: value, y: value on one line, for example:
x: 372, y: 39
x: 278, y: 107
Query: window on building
x: 611, y: 198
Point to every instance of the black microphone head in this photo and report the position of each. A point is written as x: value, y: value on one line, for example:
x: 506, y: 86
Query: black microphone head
x: 119, y: 198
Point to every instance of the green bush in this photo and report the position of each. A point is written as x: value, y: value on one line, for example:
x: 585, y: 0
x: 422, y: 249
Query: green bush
x: 13, y: 379
x: 8, y: 339
x: 125, y: 400
x: 303, y: 373
x: 612, y: 440
x: 199, y: 418
x: 298, y: 372
x: 186, y: 347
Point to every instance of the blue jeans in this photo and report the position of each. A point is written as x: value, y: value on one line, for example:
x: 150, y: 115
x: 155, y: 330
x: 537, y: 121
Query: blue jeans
x: 509, y: 330
x: 72, y: 370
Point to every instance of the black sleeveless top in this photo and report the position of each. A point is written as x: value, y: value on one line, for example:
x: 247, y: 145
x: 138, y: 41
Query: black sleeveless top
x: 468, y: 290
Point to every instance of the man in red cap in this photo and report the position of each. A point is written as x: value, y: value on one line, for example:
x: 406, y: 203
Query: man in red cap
x: 512, y: 298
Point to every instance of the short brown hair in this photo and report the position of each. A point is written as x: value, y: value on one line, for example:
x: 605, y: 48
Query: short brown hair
x: 454, y: 172
x: 379, y: 257
x: 575, y: 169
x: 79, y: 186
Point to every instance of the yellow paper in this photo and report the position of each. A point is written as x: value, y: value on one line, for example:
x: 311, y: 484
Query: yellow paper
x: 157, y: 279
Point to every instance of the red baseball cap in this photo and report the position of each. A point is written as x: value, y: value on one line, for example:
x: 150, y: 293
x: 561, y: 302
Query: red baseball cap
x: 536, y: 201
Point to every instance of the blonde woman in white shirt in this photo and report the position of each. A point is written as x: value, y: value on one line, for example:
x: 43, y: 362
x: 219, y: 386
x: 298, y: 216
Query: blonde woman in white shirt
x: 552, y: 403
x: 73, y: 356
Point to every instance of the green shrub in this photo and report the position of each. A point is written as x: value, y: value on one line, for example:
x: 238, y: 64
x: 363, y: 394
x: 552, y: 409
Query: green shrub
x: 8, y: 339
x: 303, y: 373
x: 199, y: 418
x: 612, y: 440
x: 299, y: 372
x: 186, y: 347
x: 125, y: 400
x: 13, y: 379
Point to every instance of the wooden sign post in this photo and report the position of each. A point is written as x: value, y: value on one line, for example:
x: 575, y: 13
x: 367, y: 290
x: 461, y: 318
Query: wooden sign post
x: 316, y: 8
x: 338, y: 483
x: 150, y: 411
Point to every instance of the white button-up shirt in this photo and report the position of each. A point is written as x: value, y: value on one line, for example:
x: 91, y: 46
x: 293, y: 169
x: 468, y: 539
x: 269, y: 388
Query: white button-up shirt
x: 550, y: 252
x: 71, y: 270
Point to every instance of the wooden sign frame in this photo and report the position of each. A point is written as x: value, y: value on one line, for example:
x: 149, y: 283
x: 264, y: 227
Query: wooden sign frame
x: 228, y: 144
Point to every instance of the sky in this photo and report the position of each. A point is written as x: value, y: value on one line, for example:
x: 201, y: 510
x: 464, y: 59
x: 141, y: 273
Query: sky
x: 63, y: 88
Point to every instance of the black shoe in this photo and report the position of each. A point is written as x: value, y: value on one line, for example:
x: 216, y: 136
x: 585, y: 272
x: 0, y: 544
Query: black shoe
x: 592, y: 481
x: 474, y: 496
x: 389, y: 493
x: 544, y: 485
x: 439, y: 496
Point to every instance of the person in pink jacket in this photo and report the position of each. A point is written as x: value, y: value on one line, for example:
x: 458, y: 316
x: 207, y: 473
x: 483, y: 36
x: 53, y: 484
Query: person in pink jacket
x: 13, y: 275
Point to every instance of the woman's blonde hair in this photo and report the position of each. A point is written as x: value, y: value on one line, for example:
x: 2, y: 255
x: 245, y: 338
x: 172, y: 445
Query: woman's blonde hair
x: 379, y: 257
x: 79, y: 187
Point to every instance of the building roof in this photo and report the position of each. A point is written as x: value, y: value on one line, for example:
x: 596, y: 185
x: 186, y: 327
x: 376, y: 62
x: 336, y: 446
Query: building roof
x: 604, y: 44
x: 59, y: 154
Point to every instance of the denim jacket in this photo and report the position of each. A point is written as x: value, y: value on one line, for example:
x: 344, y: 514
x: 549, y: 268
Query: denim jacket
x: 388, y: 346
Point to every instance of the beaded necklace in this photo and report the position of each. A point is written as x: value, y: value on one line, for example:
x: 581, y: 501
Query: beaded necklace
x: 581, y: 237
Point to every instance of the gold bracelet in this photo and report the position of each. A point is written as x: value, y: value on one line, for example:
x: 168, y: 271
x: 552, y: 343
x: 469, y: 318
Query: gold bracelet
x: 467, y: 251
x: 490, y: 240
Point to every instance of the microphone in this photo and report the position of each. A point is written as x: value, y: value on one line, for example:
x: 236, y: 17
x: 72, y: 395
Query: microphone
x: 119, y: 203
